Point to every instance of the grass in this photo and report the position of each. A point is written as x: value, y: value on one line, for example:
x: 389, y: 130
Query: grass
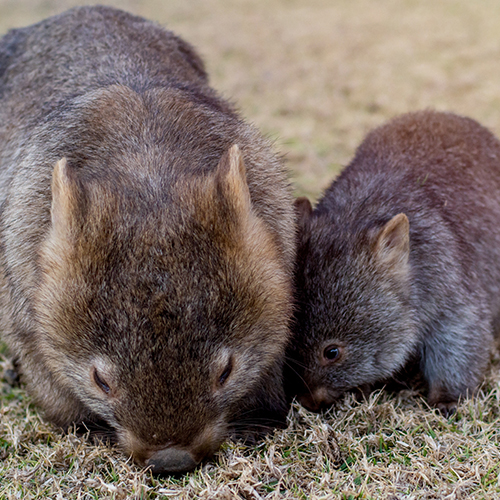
x: 315, y: 75
x: 390, y: 446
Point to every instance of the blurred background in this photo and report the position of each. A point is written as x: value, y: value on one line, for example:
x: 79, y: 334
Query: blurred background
x: 316, y: 75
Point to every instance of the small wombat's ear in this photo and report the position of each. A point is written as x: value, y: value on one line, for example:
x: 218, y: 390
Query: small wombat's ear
x: 232, y: 179
x: 63, y: 199
x: 303, y: 210
x: 392, y: 243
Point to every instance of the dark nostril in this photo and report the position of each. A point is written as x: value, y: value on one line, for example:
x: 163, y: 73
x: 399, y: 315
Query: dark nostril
x: 172, y: 461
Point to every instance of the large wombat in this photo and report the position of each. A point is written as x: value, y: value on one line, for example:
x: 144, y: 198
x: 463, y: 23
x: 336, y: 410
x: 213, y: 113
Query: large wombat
x: 147, y: 239
x: 400, y: 262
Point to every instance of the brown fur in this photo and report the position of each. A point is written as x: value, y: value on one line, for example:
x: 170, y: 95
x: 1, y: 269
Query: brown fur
x: 147, y: 239
x: 400, y: 263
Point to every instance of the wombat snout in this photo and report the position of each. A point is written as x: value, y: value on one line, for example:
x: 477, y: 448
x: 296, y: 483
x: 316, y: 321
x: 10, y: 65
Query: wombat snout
x: 318, y: 399
x: 172, y: 461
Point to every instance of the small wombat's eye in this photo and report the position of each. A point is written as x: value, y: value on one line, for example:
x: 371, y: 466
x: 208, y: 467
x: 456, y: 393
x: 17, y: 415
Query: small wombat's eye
x: 331, y: 353
x: 101, y: 383
x: 227, y: 371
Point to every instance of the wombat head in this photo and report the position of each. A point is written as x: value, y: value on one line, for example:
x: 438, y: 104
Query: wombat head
x: 354, y: 324
x: 163, y: 312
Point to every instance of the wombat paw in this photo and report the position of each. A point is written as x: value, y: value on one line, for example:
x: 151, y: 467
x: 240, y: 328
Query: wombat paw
x: 447, y: 408
x: 362, y: 393
x: 11, y: 377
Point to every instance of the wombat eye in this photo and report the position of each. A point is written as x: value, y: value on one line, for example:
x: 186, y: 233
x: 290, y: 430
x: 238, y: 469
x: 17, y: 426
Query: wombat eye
x: 331, y: 353
x: 225, y: 374
x: 101, y: 382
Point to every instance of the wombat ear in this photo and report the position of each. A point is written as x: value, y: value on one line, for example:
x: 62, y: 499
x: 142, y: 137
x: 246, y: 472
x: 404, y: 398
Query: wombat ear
x: 232, y: 179
x: 303, y: 209
x: 392, y: 243
x: 63, y: 199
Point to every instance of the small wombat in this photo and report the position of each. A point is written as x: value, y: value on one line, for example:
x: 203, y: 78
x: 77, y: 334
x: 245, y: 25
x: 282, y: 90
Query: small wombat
x: 147, y: 239
x: 400, y: 263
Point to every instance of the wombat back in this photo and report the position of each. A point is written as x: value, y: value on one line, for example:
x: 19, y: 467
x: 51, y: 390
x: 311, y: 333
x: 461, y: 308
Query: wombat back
x: 147, y: 239
x: 401, y: 260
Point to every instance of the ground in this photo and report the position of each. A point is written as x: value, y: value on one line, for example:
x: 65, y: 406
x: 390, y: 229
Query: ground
x: 315, y: 76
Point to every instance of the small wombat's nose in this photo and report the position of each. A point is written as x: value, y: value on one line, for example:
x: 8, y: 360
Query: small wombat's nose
x: 309, y: 402
x: 317, y: 399
x: 172, y: 461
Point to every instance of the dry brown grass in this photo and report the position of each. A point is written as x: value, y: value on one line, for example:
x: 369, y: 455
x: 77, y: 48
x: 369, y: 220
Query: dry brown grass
x: 391, y: 446
x: 315, y: 75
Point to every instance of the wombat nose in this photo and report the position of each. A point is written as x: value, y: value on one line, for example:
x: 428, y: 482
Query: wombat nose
x: 172, y: 461
x: 309, y: 402
x: 316, y: 400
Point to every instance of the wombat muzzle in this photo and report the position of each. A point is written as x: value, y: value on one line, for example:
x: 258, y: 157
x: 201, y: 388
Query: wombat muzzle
x: 171, y: 461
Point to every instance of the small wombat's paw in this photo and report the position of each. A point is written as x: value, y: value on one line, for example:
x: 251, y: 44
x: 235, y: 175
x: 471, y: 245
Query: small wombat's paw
x: 362, y: 393
x: 444, y: 400
x: 447, y: 408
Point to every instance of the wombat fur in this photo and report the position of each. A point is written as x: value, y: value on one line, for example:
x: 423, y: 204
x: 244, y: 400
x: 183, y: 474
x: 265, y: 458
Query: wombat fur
x: 147, y: 239
x: 399, y: 263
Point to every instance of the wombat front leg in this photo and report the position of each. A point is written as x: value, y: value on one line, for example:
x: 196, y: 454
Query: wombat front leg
x: 11, y: 372
x: 454, y: 358
x: 362, y: 392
